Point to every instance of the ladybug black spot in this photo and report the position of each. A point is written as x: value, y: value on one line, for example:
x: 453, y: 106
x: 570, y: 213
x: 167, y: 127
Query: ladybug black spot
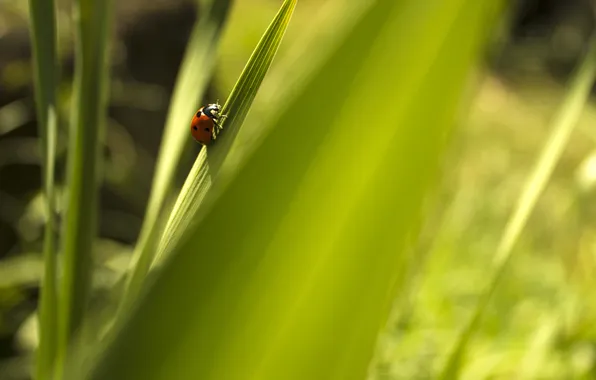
x: 206, y: 129
x: 195, y: 128
x: 199, y: 114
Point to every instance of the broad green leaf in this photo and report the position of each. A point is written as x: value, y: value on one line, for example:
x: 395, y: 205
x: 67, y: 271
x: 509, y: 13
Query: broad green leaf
x: 88, y: 109
x: 210, y: 160
x: 195, y: 71
x: 563, y: 124
x: 290, y: 271
x: 45, y: 69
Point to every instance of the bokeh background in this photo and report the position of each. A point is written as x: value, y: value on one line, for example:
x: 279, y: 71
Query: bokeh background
x: 543, y: 315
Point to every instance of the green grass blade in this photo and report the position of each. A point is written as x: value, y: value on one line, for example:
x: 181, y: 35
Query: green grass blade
x: 290, y: 272
x: 48, y: 303
x: 195, y: 72
x: 209, y: 162
x: 563, y: 124
x: 45, y: 68
x: 88, y: 118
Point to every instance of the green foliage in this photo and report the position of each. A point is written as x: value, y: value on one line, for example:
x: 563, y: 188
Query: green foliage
x: 281, y: 257
x: 88, y: 112
x: 209, y: 162
x: 290, y: 269
x: 563, y: 124
x: 43, y: 32
x: 195, y: 72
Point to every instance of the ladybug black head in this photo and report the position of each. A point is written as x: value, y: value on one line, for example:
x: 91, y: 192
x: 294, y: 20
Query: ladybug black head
x: 212, y: 110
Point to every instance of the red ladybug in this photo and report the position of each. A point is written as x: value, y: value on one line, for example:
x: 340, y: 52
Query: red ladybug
x: 205, y: 124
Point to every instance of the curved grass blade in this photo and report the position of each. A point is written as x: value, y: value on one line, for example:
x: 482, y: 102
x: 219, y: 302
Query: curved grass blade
x: 210, y: 160
x: 291, y: 70
x: 89, y: 109
x: 300, y: 250
x: 195, y: 71
x: 563, y: 124
x: 45, y: 66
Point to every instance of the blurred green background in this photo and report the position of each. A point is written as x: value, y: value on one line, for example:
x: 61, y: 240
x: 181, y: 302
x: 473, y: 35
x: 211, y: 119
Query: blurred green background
x: 543, y: 313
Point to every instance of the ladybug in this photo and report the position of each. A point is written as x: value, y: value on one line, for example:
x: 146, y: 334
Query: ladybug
x: 206, y: 123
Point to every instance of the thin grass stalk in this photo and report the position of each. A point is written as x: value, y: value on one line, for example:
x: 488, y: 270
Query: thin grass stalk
x: 88, y: 113
x: 45, y: 70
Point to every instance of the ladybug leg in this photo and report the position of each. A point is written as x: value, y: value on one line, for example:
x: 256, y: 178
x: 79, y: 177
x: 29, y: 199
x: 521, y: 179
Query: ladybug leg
x: 220, y: 120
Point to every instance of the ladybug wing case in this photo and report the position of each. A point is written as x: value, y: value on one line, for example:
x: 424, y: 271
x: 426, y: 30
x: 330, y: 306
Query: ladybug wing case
x: 202, y: 129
